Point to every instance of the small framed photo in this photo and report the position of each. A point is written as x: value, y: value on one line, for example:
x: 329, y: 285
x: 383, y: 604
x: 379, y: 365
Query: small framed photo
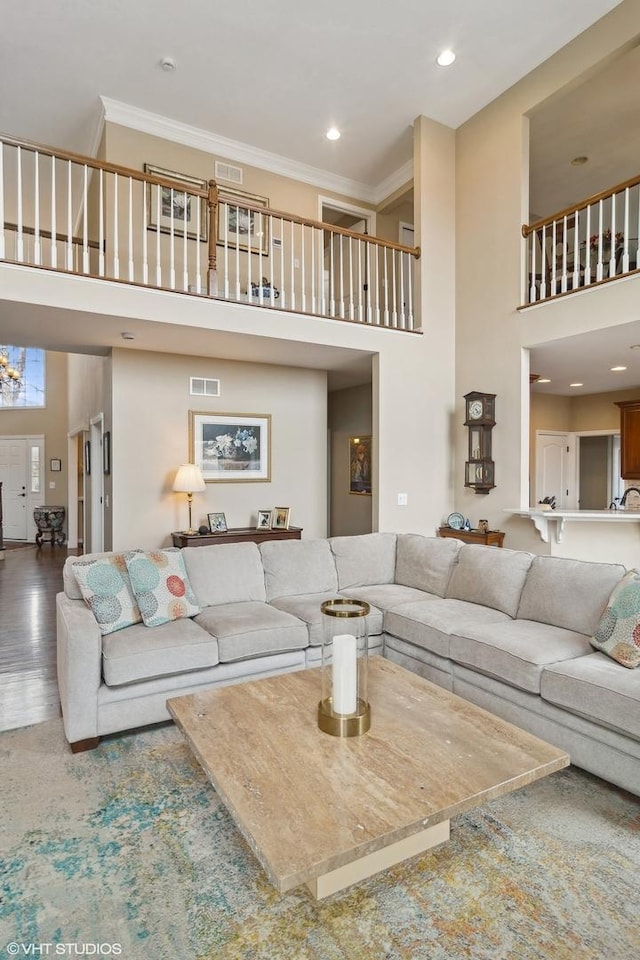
x: 106, y: 453
x: 55, y: 465
x: 264, y: 520
x: 176, y: 209
x: 87, y: 457
x: 217, y: 522
x: 280, y: 518
x: 240, y: 227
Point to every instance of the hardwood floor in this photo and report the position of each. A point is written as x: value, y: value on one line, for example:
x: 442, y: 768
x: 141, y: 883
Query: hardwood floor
x: 30, y: 577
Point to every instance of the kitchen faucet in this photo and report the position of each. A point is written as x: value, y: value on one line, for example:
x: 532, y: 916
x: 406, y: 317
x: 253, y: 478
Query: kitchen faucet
x: 629, y: 490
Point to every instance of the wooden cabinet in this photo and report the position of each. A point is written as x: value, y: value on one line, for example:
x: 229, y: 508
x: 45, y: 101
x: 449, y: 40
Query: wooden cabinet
x: 492, y: 538
x: 235, y: 535
x: 629, y: 439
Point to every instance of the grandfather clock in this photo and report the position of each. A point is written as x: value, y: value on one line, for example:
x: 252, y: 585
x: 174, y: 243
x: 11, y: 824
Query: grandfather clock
x: 479, y: 469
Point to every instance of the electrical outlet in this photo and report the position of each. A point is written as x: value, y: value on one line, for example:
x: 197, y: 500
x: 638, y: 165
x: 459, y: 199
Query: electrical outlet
x: 403, y: 499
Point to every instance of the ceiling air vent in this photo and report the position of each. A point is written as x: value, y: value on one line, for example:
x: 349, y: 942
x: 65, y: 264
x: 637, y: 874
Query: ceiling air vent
x: 204, y: 387
x: 225, y: 171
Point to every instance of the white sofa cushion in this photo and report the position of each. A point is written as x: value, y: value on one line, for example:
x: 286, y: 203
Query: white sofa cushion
x: 252, y: 629
x: 298, y: 567
x: 516, y: 651
x: 490, y: 576
x: 363, y: 560
x: 568, y: 593
x: 142, y: 653
x: 307, y: 608
x: 429, y: 623
x: 225, y: 573
x: 386, y: 595
x: 426, y: 562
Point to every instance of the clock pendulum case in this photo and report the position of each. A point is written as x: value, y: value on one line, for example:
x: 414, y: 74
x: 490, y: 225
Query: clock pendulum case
x: 479, y: 469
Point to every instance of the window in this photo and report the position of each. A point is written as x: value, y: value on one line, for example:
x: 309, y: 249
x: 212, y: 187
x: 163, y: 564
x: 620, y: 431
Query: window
x: 35, y: 469
x: 29, y: 389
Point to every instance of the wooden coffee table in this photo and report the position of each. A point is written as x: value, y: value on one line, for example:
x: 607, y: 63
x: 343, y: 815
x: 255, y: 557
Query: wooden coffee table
x: 328, y: 812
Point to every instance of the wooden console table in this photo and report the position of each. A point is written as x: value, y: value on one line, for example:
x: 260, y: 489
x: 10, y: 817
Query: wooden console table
x: 492, y: 538
x: 235, y: 535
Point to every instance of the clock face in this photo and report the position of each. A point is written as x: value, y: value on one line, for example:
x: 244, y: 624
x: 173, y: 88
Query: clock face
x: 475, y: 409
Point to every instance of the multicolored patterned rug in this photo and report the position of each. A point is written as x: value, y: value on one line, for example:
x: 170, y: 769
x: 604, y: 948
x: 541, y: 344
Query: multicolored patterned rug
x: 126, y: 851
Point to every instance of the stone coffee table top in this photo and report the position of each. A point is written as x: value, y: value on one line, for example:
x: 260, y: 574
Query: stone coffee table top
x: 312, y: 806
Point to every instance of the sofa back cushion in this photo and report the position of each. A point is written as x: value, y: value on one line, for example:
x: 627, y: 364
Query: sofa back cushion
x: 426, y: 563
x: 298, y: 567
x: 491, y: 576
x: 363, y: 560
x: 225, y: 573
x: 568, y: 593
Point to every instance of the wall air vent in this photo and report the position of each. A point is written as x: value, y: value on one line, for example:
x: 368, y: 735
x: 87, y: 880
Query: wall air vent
x: 226, y: 171
x: 204, y: 387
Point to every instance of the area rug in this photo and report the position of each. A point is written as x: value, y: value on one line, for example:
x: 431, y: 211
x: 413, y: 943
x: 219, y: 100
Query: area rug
x: 126, y: 851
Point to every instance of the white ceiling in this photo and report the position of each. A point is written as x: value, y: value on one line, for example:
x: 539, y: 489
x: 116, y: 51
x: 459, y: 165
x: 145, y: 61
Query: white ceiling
x: 275, y: 75
x: 588, y: 359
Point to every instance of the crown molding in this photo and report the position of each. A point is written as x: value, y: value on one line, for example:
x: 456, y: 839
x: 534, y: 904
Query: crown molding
x: 114, y: 111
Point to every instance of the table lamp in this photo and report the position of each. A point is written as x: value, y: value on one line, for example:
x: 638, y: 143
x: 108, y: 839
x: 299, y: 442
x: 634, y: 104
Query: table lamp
x: 189, y: 480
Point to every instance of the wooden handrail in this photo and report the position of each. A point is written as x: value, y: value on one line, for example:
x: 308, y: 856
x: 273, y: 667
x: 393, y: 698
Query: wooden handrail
x: 528, y: 229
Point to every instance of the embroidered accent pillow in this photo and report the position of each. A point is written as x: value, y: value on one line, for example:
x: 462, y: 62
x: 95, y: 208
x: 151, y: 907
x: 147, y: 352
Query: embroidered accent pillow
x: 106, y: 588
x: 618, y: 633
x: 161, y: 586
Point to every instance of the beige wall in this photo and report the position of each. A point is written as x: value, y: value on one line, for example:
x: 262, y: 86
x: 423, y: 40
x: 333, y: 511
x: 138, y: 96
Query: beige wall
x: 350, y: 415
x: 151, y: 403
x: 492, y: 204
x: 50, y: 421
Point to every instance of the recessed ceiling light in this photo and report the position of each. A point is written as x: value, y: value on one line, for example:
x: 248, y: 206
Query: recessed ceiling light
x: 168, y: 64
x: 576, y: 384
x: 615, y: 369
x: 128, y: 336
x: 635, y: 346
x: 579, y: 161
x: 446, y: 58
x: 544, y: 380
x: 333, y: 133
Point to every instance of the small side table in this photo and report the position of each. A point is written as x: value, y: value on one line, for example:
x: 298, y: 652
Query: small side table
x: 492, y: 538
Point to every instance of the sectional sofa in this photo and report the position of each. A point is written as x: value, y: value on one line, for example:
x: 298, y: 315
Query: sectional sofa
x: 502, y: 628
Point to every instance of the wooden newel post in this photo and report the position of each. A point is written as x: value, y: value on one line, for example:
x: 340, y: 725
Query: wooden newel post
x: 212, y: 275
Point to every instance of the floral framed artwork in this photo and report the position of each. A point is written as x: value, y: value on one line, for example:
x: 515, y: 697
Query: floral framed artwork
x: 230, y: 446
x: 239, y: 227
x: 175, y: 208
x: 280, y: 518
x: 217, y: 522
x: 360, y: 465
x: 264, y: 520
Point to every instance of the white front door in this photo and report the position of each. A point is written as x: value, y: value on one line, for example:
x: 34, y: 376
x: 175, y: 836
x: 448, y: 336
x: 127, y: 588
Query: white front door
x: 13, y: 476
x: 553, y: 469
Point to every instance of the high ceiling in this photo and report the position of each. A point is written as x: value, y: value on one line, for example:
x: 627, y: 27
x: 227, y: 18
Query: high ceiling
x: 275, y: 75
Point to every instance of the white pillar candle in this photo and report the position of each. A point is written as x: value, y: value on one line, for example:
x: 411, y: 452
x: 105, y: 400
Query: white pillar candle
x: 344, y: 673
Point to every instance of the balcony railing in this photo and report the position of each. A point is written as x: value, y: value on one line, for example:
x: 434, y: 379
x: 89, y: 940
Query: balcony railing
x: 65, y: 212
x: 590, y: 243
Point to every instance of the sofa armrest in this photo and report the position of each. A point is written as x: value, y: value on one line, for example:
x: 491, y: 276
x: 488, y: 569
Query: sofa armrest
x: 79, y: 649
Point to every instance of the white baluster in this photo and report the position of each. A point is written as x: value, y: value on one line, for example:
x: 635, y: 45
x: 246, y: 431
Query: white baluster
x: 402, y: 258
x: 130, y: 265
x: 341, y: 240
x: 303, y: 295
x: 612, y: 245
x: 53, y: 248
x: 222, y: 211
x: 360, y: 255
x: 69, y: 246
x: 116, y: 240
x: 85, y: 231
x: 412, y: 268
x: 185, y: 246
x: 198, y: 264
x: 637, y: 264
x: 394, y: 293
x: 576, y: 251
x: 532, y: 265
x: 625, y: 249
x: 172, y: 244
x: 386, y: 288
x: 19, y: 235
x: 543, y: 263
x: 554, y: 260
x: 587, y: 249
x: 563, y: 278
x: 283, y: 295
x: 599, y: 264
x: 331, y: 277
x: 145, y: 244
x: 368, y: 280
x: 351, y: 283
x: 37, y: 253
x: 158, y: 190
x: 313, y: 268
x: 268, y: 226
x: 2, y: 244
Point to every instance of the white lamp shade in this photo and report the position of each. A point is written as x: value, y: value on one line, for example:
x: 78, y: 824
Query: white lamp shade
x: 188, y: 479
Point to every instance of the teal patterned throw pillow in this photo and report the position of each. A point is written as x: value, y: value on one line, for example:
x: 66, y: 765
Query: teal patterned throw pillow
x: 618, y: 633
x: 161, y: 586
x: 106, y: 588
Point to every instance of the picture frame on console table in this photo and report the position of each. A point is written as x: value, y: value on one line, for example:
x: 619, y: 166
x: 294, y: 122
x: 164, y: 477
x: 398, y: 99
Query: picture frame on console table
x: 280, y: 518
x: 264, y: 520
x: 230, y: 447
x: 217, y: 522
x: 162, y: 203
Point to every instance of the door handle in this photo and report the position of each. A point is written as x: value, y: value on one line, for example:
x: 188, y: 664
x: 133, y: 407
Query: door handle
x: 22, y: 494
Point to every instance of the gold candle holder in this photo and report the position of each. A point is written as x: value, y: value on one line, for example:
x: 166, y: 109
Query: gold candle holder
x: 344, y: 709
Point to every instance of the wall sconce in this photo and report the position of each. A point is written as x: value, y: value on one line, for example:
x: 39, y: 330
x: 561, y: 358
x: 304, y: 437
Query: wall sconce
x: 189, y: 480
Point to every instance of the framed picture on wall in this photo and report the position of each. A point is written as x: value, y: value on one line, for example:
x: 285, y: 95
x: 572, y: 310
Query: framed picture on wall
x: 55, y: 465
x: 230, y: 446
x: 171, y: 209
x: 239, y: 226
x: 360, y: 465
x: 87, y: 457
x: 106, y: 453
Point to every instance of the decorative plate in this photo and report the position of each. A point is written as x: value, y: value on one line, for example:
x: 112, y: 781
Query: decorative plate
x: 455, y: 521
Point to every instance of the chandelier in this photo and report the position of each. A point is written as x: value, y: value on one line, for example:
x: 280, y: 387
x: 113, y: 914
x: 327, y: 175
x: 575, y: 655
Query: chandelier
x: 8, y: 375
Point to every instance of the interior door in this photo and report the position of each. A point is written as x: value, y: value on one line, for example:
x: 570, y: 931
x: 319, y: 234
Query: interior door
x: 13, y: 475
x: 553, y: 464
